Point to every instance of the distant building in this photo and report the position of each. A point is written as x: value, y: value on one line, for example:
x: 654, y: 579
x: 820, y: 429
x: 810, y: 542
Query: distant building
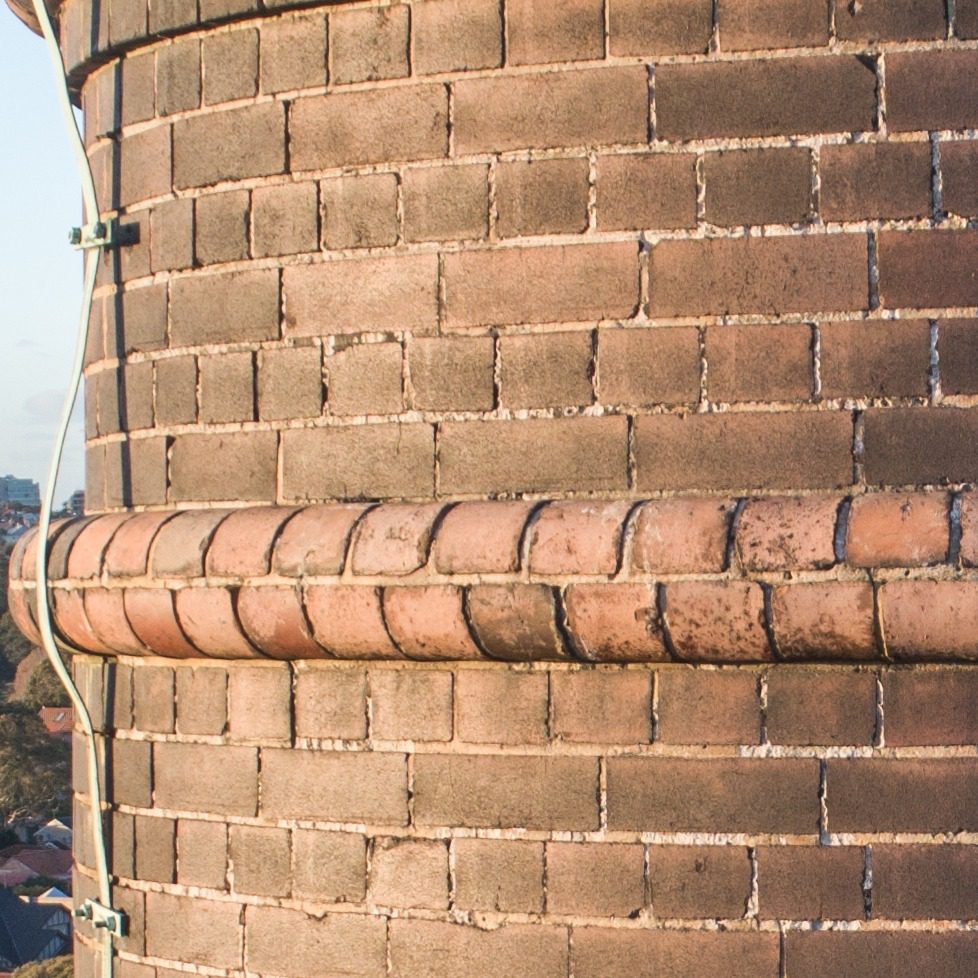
x: 26, y: 492
x: 77, y: 503
x: 57, y: 720
x: 56, y: 832
x: 31, y: 931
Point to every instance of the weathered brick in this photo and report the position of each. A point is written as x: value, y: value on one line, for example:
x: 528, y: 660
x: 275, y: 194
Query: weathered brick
x: 782, y: 96
x: 875, y: 180
x: 930, y: 90
x: 455, y: 35
x: 446, y: 203
x: 260, y: 860
x: 409, y: 873
x: 775, y: 275
x: 919, y: 269
x: 966, y: 19
x: 365, y: 379
x: 348, y: 622
x: 209, y: 619
x: 317, y: 946
x: 314, y: 542
x: 153, y: 699
x: 230, y: 66
x: 958, y: 349
x: 191, y: 929
x: 215, y: 779
x: 106, y: 612
x: 642, y: 28
x: 364, y: 295
x: 834, y: 620
x: 330, y: 703
x: 759, y: 363
x: 202, y: 853
x: 913, y: 795
x: 127, y: 21
x: 201, y: 700
x: 602, y: 106
x: 898, y: 530
x: 810, y: 883
x: 274, y: 621
x: 369, y: 44
x: 665, y: 794
x: 719, y: 621
x: 330, y: 866
x: 359, y: 211
x: 290, y: 383
x: 143, y: 319
x: 595, y: 879
x: 340, y: 787
x: 231, y: 307
x: 178, y: 76
x: 293, y: 53
x: 122, y: 858
x: 925, y: 708
x: 285, y: 219
x: 182, y: 542
x: 749, y: 25
x: 138, y: 88
x: 546, y: 370
x: 152, y: 614
x: 704, y: 706
x: 227, y: 387
x: 903, y: 20
x: 758, y: 186
x: 649, y: 190
x: 551, y: 793
x: 452, y: 373
x: 567, y: 537
x: 560, y: 284
x: 171, y: 235
x: 680, y: 536
x: 176, y: 391
x: 497, y: 874
x: 411, y: 705
x: 602, y: 707
x: 542, y: 197
x: 886, y: 358
x: 744, y: 451
x: 933, y: 619
x: 501, y: 706
x: 787, y: 533
x: 959, y: 184
x: 260, y: 704
x: 585, y: 454
x: 239, y: 466
x: 933, y: 882
x: 350, y: 128
x: 692, y: 882
x: 817, y: 707
x: 539, y: 34
x: 155, y: 849
x: 614, y: 622
x: 231, y: 145
x: 516, y: 621
x: 429, y: 622
x: 168, y: 14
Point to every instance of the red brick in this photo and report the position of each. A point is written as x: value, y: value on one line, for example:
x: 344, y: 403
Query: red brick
x: 409, y: 873
x: 107, y: 615
x: 385, y: 125
x: 646, y: 191
x: 71, y: 620
x: 903, y: 20
x: 614, y: 622
x: 290, y: 383
x: 782, y: 96
x: 293, y: 53
x: 577, y: 283
x: 153, y: 618
x: 235, y: 307
x: 920, y: 269
x: 929, y: 90
x: 758, y: 186
x: 339, y: 787
x: 619, y: 953
x: 330, y: 703
x: 916, y: 795
x: 887, y: 358
x: 201, y: 853
x: 360, y: 211
x: 930, y: 619
x: 234, y: 144
x: 240, y: 466
x: 806, y: 450
x: 273, y: 619
x: 749, y: 25
x: 832, y: 620
x: 883, y: 954
x: 693, y: 882
x: 495, y: 706
x: 810, y: 883
x: 446, y: 203
x: 202, y: 694
x: 904, y: 446
x: 787, y: 533
x: 366, y: 45
x: 365, y: 379
x: 285, y: 219
x: 415, y: 705
x: 547, y: 793
x: 539, y: 34
x: 394, y: 538
x: 191, y: 929
x: 455, y: 35
x: 593, y: 107
x: 348, y: 622
x: 664, y: 794
x: 260, y: 858
x: 180, y: 545
x: 898, y: 529
x: 211, y: 778
x: 209, y: 620
x: 717, y: 276
x: 717, y: 621
x: 359, y: 461
x: 875, y: 180
x: 542, y: 196
x: 329, y: 866
x: 932, y: 882
x: 452, y: 373
x: 516, y: 621
x: 660, y: 27
x: 586, y: 454
x: 595, y: 879
x: 428, y: 622
x: 230, y: 66
x: 496, y: 874
x: 680, y: 536
x: 602, y: 707
x: 759, y: 363
x: 925, y: 708
x: 432, y: 949
x: 242, y: 544
x: 314, y: 542
x: 569, y: 537
x: 958, y: 349
x: 85, y: 556
x: 704, y: 706
x: 365, y: 295
x: 546, y: 370
x: 959, y: 183
x: 144, y: 167
x: 809, y: 706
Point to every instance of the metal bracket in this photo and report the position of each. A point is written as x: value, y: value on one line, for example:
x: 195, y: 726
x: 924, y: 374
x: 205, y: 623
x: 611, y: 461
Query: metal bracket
x: 114, y: 921
x: 97, y: 235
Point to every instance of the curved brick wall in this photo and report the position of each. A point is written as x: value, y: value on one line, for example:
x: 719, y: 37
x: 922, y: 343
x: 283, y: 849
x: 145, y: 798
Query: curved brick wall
x: 598, y: 334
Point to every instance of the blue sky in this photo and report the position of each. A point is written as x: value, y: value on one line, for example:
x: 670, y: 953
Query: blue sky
x: 40, y: 274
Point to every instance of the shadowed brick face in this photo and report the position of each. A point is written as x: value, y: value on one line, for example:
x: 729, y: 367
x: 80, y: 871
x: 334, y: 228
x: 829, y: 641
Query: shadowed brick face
x: 530, y: 452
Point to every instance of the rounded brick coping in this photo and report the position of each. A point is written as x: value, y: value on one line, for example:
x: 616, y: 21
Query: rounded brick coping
x: 814, y: 578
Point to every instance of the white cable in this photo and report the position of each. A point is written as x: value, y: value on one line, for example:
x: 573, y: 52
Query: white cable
x: 44, y: 521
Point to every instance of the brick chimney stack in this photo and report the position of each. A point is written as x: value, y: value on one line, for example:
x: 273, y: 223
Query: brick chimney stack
x: 531, y: 451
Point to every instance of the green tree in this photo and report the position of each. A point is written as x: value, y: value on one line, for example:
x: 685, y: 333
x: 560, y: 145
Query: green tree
x: 34, y: 768
x: 44, y: 688
x: 52, y: 968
